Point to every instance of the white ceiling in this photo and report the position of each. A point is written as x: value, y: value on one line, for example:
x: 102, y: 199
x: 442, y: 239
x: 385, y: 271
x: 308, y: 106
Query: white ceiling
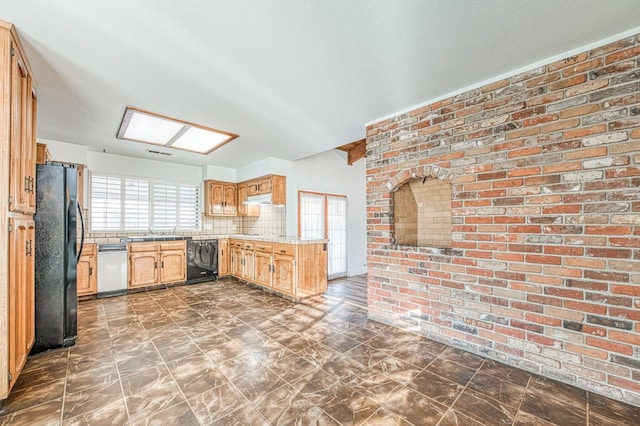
x: 291, y: 77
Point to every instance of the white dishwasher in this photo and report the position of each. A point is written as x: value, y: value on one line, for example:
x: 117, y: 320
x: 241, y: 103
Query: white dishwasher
x: 112, y: 269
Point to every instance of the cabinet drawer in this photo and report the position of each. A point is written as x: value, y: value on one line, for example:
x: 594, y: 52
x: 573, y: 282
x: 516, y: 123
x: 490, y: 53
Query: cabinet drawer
x: 263, y: 248
x: 173, y: 245
x: 142, y: 247
x: 248, y: 246
x: 235, y: 244
x: 285, y: 249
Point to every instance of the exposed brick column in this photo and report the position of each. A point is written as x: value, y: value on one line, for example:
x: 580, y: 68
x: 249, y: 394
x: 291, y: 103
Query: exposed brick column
x: 544, y: 268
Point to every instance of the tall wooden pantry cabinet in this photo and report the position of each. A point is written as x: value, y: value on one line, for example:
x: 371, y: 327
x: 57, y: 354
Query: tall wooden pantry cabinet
x: 17, y: 206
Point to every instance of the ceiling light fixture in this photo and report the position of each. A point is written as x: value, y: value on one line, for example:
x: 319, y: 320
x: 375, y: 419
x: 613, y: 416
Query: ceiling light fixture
x: 143, y: 126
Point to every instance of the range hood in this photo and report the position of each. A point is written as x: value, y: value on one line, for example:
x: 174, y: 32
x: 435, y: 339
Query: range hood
x: 259, y: 199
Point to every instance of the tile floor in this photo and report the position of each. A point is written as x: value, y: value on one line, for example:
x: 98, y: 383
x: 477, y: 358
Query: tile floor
x: 226, y: 354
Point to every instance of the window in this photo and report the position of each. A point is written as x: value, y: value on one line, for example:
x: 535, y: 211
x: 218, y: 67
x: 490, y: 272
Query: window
x: 135, y: 204
x: 324, y: 216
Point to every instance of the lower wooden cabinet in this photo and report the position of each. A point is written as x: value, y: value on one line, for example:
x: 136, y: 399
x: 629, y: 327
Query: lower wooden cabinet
x: 21, y: 321
x: 87, y: 271
x: 296, y: 270
x: 153, y: 263
x: 223, y: 257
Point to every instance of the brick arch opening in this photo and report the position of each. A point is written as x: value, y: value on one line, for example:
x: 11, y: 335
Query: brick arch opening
x: 421, y: 210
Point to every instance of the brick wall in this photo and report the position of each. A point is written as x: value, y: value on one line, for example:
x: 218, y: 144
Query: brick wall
x: 544, y: 268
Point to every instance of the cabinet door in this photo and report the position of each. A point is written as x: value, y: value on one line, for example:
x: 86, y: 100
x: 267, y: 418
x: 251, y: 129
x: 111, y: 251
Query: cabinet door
x: 249, y: 265
x: 230, y: 206
x: 242, y: 197
x: 263, y: 268
x: 143, y: 268
x: 21, y: 295
x: 87, y: 274
x: 283, y: 273
x: 237, y: 262
x: 173, y: 266
x: 19, y: 180
x: 216, y: 205
x: 223, y: 257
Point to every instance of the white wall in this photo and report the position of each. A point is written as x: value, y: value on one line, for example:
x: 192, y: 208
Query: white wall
x: 66, y: 152
x: 328, y: 172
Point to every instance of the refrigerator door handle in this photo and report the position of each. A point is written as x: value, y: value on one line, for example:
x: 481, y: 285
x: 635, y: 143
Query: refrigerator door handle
x: 82, y: 228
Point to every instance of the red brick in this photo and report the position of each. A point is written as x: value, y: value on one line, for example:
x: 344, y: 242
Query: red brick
x: 585, y: 131
x: 609, y: 346
x: 624, y: 54
x: 567, y: 82
x: 585, y: 307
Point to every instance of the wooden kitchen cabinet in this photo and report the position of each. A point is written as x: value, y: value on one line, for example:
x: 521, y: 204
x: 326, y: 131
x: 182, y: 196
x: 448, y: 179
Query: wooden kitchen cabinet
x: 18, y: 106
x: 22, y: 147
x: 223, y: 257
x: 274, y: 184
x: 152, y: 263
x: 263, y: 267
x: 43, y: 156
x: 87, y: 271
x: 246, y: 209
x: 220, y: 198
x: 292, y: 270
x: 21, y: 294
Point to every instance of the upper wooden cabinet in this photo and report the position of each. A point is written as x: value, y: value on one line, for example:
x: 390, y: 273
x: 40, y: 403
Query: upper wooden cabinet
x: 220, y: 198
x: 228, y: 199
x: 246, y: 209
x: 273, y: 184
x: 22, y: 145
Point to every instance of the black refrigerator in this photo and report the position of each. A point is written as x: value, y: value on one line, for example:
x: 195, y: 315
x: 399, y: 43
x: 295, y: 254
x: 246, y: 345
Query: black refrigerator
x: 56, y: 256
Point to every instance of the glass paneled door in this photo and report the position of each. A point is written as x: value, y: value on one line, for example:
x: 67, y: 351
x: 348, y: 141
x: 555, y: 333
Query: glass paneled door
x: 325, y: 216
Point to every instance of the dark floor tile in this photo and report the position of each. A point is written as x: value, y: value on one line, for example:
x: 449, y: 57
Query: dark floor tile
x: 617, y: 411
x: 48, y: 413
x: 179, y: 350
x: 384, y: 417
x: 317, y: 354
x: 452, y: 371
x: 397, y: 369
x: 87, y: 379
x: 28, y: 397
x: 375, y: 385
x: 484, y: 410
x: 291, y: 367
x: 245, y: 416
x: 150, y: 391
x: 93, y: 399
x: 415, y: 407
x: 462, y: 357
x: 340, y: 343
x: 499, y: 390
x: 217, y: 403
x: 563, y: 393
x: 348, y: 406
x: 418, y: 353
x: 454, y: 418
x: 258, y: 383
x: 180, y: 414
x: 343, y: 367
x: 553, y: 410
x: 282, y: 405
x: 239, y: 366
x: 505, y: 372
x: 525, y: 419
x: 318, y: 386
x: 366, y: 355
x: 436, y: 387
x: 196, y: 374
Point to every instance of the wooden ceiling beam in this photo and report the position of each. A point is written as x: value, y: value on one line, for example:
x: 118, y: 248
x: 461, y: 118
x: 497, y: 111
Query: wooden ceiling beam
x: 355, y: 150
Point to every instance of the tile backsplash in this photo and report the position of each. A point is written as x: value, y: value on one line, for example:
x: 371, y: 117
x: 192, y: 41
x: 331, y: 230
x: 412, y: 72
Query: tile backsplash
x: 272, y: 221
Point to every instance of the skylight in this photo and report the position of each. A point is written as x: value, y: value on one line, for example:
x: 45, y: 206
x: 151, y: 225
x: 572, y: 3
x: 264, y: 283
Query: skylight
x: 147, y: 127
